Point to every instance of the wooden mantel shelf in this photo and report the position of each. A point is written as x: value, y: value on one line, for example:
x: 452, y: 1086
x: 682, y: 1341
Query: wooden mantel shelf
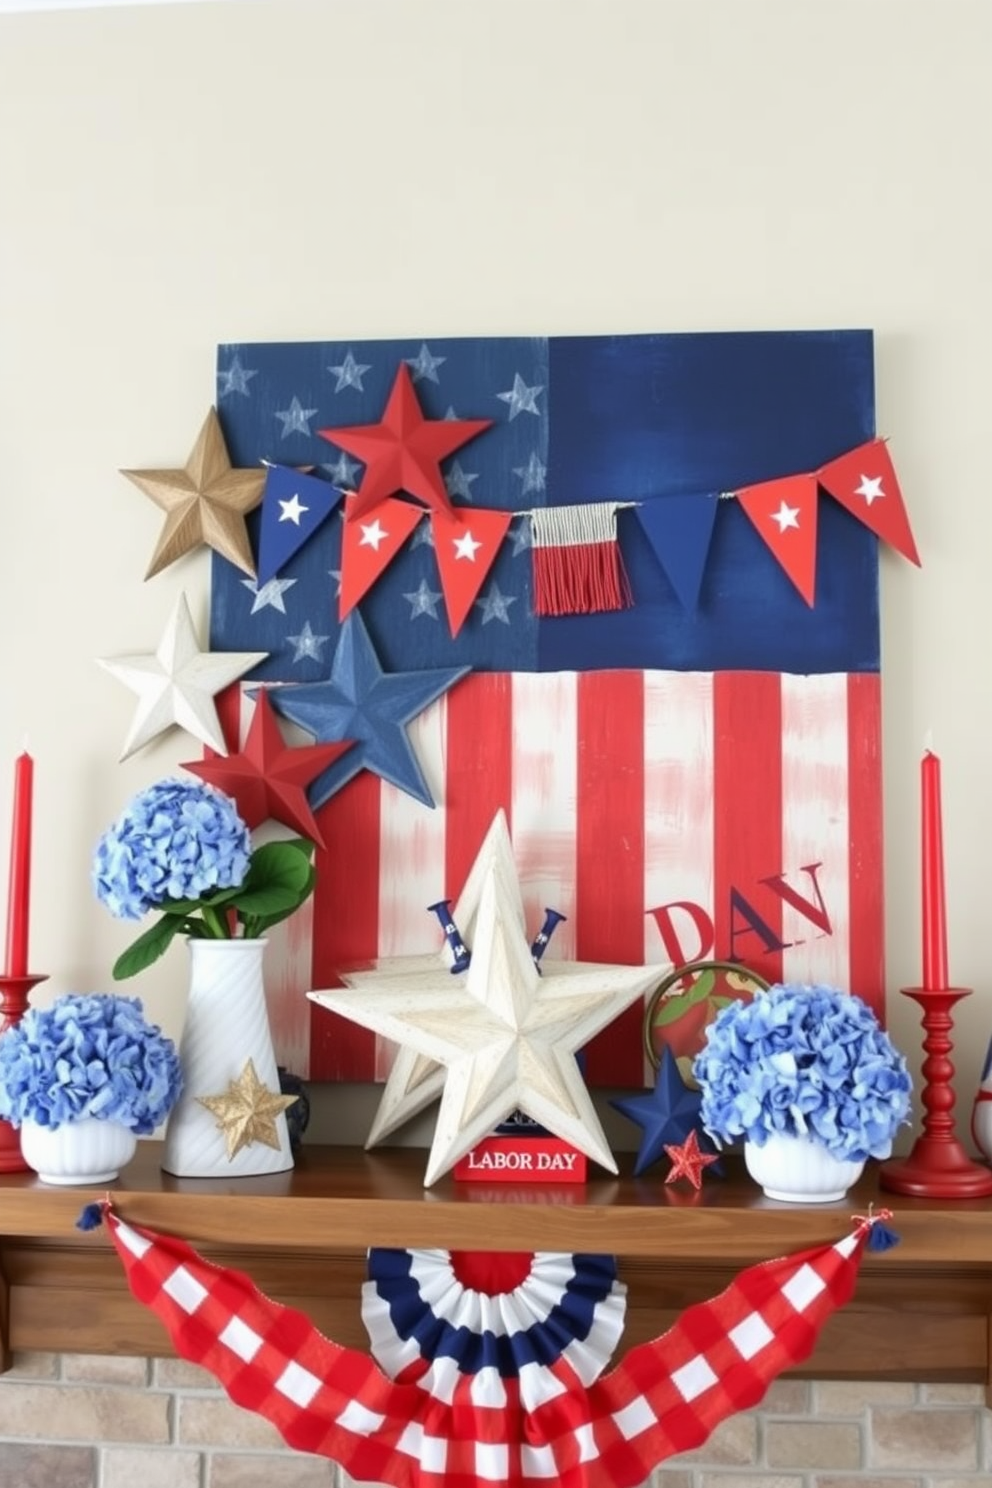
x: 302, y: 1236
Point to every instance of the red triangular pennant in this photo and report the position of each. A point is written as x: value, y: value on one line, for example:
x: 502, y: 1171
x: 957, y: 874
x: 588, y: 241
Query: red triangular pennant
x: 784, y: 512
x: 369, y: 544
x: 864, y: 482
x: 466, y: 547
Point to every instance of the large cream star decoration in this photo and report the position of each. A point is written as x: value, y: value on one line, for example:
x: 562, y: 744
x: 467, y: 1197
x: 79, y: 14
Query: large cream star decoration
x: 247, y: 1112
x: 178, y: 683
x: 205, y: 502
x: 415, y: 1081
x: 506, y: 1035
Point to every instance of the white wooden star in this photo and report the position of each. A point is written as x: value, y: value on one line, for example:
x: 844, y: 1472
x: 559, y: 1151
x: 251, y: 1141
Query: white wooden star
x: 506, y: 1035
x: 414, y: 1081
x: 178, y: 683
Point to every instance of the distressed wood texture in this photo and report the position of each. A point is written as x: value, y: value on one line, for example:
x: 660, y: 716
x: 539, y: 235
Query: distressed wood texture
x: 921, y: 1311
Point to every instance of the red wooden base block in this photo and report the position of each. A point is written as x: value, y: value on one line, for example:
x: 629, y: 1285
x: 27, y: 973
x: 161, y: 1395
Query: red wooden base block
x: 523, y: 1159
x: 14, y: 991
x: 938, y: 1166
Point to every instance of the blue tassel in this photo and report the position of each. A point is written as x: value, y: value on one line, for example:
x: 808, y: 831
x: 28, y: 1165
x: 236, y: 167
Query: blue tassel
x: 882, y: 1238
x: 91, y: 1217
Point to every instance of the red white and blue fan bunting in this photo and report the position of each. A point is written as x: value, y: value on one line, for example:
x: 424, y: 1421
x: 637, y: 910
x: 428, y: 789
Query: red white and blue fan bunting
x: 466, y: 1324
x: 664, y: 1397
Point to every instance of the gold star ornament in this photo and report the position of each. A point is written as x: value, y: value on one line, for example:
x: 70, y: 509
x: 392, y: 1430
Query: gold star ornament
x: 205, y: 502
x: 247, y: 1112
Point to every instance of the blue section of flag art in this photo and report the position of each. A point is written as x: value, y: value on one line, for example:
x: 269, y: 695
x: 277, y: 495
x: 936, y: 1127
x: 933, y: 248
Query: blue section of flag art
x: 576, y: 420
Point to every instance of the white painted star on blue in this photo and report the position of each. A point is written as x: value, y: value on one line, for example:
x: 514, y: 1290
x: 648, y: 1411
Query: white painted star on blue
x: 521, y: 398
x: 234, y: 379
x: 362, y: 702
x: 532, y: 474
x: 424, y: 364
x: 308, y: 646
x: 495, y: 605
x: 335, y: 574
x: 349, y: 373
x: 268, y: 595
x: 292, y: 510
x: 521, y: 536
x: 343, y: 472
x: 296, y: 418
x: 423, y: 536
x: 458, y: 482
x: 423, y: 601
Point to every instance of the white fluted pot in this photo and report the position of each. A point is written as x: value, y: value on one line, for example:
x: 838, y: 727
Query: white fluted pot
x: 85, y: 1151
x: 226, y: 1024
x: 799, y: 1170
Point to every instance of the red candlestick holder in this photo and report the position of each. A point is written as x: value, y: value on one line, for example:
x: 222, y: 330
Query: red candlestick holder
x: 938, y: 1166
x: 14, y: 993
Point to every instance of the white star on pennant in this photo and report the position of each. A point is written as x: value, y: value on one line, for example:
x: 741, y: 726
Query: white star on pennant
x: 786, y: 516
x: 505, y: 1034
x: 870, y: 488
x: 292, y: 510
x: 177, y: 685
x: 373, y: 533
x: 466, y: 547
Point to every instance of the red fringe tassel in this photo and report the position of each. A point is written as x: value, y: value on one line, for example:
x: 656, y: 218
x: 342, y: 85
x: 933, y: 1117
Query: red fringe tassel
x: 580, y: 579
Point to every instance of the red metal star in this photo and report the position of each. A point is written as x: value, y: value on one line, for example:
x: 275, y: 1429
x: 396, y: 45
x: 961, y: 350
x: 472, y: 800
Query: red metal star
x: 688, y: 1161
x: 403, y: 451
x: 267, y: 779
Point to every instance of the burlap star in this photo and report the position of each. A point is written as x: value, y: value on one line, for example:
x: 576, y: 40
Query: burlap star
x: 205, y: 502
x: 248, y: 1111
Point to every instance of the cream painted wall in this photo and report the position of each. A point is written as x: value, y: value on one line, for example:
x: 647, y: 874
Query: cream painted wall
x: 175, y: 177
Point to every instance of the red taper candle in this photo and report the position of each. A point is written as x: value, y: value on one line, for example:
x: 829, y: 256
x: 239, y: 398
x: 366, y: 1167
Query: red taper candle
x: 19, y: 879
x: 934, y: 911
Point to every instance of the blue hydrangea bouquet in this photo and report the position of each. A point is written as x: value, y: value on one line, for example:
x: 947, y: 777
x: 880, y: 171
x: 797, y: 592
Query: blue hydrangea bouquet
x: 88, y: 1055
x: 803, y: 1061
x: 181, y: 847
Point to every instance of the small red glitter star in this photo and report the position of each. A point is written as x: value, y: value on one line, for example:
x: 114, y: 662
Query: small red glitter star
x: 688, y: 1161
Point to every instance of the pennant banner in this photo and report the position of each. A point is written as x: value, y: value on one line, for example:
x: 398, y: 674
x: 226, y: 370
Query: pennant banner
x: 864, y: 482
x: 784, y: 512
x: 293, y: 506
x: 578, y: 569
x: 369, y: 545
x: 663, y: 1398
x: 679, y: 529
x: 466, y: 545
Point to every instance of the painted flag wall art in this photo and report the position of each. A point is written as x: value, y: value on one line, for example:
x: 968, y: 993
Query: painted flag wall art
x: 691, y: 774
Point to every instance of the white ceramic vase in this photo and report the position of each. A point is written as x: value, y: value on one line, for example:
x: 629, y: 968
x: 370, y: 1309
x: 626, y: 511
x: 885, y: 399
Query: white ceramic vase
x: 226, y: 1024
x: 799, y: 1170
x: 85, y: 1151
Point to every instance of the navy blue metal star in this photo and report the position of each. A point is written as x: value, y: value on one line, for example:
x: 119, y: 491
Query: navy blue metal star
x: 667, y: 1114
x: 362, y: 702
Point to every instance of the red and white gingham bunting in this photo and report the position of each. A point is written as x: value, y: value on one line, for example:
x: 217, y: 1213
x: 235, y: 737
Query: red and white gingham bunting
x: 664, y: 1397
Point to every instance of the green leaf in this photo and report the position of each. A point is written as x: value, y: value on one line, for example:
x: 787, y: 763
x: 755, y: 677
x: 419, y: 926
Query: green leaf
x: 671, y: 1010
x: 147, y: 948
x: 279, y: 879
x: 190, y: 906
x: 701, y: 988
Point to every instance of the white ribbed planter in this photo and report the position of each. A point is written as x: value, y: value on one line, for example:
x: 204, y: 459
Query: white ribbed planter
x: 86, y: 1151
x: 799, y: 1170
x: 226, y: 1024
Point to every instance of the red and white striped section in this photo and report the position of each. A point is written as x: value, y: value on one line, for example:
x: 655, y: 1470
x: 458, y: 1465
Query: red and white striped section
x: 744, y: 807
